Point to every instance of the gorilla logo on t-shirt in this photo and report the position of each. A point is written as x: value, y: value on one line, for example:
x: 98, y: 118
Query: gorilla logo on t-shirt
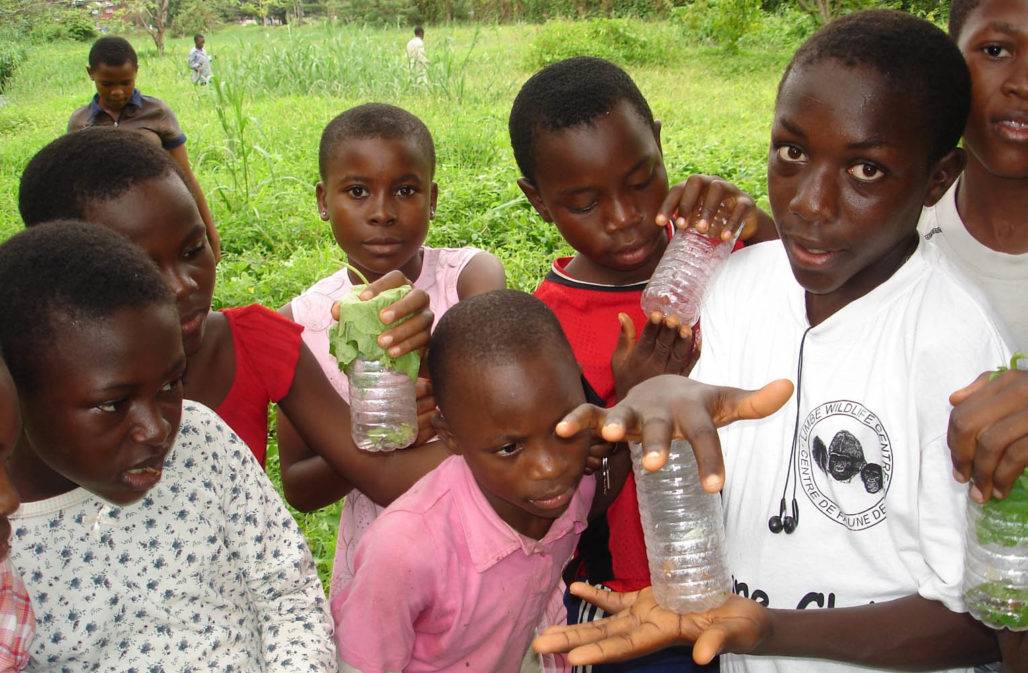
x: 848, y: 477
x: 844, y: 459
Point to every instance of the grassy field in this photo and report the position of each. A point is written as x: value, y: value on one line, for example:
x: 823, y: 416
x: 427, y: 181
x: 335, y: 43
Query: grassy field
x: 253, y: 140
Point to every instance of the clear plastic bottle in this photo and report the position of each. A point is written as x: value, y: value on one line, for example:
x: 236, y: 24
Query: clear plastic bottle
x: 685, y: 533
x: 383, y: 406
x: 685, y: 271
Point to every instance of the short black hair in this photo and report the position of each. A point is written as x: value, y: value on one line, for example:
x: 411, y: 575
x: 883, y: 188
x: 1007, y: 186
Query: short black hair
x: 912, y: 55
x: 198, y: 36
x: 62, y: 272
x: 564, y: 95
x: 374, y: 120
x: 959, y: 10
x: 112, y: 50
x: 419, y: 31
x: 496, y: 326
x: 92, y: 165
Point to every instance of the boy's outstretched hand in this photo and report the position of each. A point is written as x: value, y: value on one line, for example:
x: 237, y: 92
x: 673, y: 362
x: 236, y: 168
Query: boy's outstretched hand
x: 410, y: 335
x: 713, y: 206
x: 665, y: 347
x: 988, y: 433
x: 669, y: 407
x: 638, y: 626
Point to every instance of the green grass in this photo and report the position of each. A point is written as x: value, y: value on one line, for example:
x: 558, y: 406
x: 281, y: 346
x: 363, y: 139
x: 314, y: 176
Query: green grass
x: 282, y: 85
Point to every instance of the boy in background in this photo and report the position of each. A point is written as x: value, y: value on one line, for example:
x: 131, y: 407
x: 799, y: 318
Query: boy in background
x: 417, y: 57
x: 200, y: 61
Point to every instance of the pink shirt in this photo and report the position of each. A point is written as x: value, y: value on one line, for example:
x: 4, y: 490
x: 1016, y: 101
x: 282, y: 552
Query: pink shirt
x: 440, y: 271
x: 443, y: 584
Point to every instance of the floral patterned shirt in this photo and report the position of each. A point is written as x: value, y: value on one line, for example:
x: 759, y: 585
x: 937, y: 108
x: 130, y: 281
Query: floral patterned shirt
x: 208, y: 572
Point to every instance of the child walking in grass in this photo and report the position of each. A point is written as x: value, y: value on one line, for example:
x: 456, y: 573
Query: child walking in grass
x: 240, y: 360
x: 148, y: 535
x: 377, y: 164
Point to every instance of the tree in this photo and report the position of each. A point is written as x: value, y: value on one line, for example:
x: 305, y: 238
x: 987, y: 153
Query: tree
x: 152, y: 15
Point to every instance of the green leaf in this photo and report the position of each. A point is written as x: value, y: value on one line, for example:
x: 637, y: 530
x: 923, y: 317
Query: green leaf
x: 356, y: 333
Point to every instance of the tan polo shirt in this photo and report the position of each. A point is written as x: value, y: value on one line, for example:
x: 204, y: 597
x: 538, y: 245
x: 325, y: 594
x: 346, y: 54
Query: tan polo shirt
x: 149, y: 116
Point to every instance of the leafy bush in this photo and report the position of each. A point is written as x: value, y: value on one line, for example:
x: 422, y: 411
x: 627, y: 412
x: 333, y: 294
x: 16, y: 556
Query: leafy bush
x: 721, y: 22
x: 11, y: 56
x: 65, y: 25
x: 622, y: 41
x: 785, y: 28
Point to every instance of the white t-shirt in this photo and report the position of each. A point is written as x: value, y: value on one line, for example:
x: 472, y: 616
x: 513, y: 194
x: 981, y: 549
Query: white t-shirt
x: 880, y: 515
x: 416, y: 55
x: 208, y: 572
x: 1001, y: 276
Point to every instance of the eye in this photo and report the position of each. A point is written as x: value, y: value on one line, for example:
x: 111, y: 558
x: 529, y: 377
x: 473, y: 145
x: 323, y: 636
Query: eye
x: 508, y: 450
x: 357, y: 191
x: 790, y: 154
x: 195, y: 250
x: 866, y: 172
x: 406, y: 192
x: 583, y: 210
x: 996, y: 51
x: 110, y: 406
x: 646, y: 182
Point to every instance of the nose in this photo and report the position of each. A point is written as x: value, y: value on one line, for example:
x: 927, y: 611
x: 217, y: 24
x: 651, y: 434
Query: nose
x: 382, y: 212
x: 1017, y: 83
x: 815, y: 194
x: 548, y: 462
x: 623, y: 213
x: 181, y: 283
x: 149, y: 426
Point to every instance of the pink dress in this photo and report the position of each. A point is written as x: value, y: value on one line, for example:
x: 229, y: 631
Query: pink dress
x: 440, y: 270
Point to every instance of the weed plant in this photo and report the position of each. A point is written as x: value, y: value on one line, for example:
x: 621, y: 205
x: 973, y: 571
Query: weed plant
x: 253, y: 137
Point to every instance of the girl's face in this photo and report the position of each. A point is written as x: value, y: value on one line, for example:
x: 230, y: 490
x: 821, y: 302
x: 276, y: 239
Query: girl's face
x: 10, y: 429
x: 994, y: 41
x: 111, y: 422
x: 160, y: 216
x: 379, y: 196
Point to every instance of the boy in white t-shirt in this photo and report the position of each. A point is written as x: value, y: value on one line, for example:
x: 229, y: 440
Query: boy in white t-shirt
x: 845, y: 499
x: 981, y: 224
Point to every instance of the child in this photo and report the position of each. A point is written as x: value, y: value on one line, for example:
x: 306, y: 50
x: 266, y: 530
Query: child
x: 199, y: 62
x: 845, y: 500
x: 417, y: 58
x: 377, y: 164
x: 980, y: 223
x: 17, y: 621
x: 148, y: 535
x: 459, y: 571
x: 589, y: 152
x: 113, y: 66
x: 239, y: 359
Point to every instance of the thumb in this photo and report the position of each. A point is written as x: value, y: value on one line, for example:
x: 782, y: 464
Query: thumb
x: 735, y: 404
x: 968, y: 390
x: 709, y: 644
x: 627, y: 336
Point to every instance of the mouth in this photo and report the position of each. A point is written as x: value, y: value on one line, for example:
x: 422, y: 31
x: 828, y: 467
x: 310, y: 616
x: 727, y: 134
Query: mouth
x: 383, y: 246
x: 809, y: 253
x: 145, y: 476
x: 554, y: 500
x: 1013, y: 127
x: 634, y: 253
x: 193, y: 322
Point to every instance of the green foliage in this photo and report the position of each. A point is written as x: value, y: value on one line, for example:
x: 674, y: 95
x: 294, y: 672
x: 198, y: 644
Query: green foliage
x: 11, y: 56
x: 198, y: 16
x: 69, y: 24
x: 356, y: 333
x: 377, y: 12
x: 720, y: 22
x: 622, y: 41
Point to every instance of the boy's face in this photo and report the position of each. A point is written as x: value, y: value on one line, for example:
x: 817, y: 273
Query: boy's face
x: 501, y: 418
x: 199, y: 42
x: 602, y: 184
x: 109, y: 422
x: 848, y: 175
x: 114, y: 83
x: 10, y: 429
x: 379, y: 196
x: 994, y: 41
x: 160, y: 216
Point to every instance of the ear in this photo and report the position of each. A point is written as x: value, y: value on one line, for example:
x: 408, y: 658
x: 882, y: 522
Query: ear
x: 319, y: 193
x: 945, y: 171
x: 657, y: 126
x: 532, y: 194
x: 442, y: 428
x: 89, y: 71
x: 435, y: 198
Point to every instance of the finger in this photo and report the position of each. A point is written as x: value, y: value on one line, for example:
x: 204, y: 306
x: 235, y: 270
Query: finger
x: 413, y: 303
x: 583, y: 417
x: 641, y: 640
x: 657, y: 433
x: 993, y: 446
x: 1010, y: 467
x: 711, y: 203
x: 664, y: 343
x: 681, y: 352
x: 690, y: 200
x: 611, y: 602
x: 709, y: 644
x: 670, y: 205
x: 621, y: 423
x: 968, y: 420
x: 576, y: 636
x: 697, y: 426
x: 960, y: 395
x: 648, y: 339
x: 335, y: 311
x: 389, y: 281
x: 423, y: 388
x: 735, y: 404
x: 744, y: 211
x: 626, y: 337
x: 409, y: 335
